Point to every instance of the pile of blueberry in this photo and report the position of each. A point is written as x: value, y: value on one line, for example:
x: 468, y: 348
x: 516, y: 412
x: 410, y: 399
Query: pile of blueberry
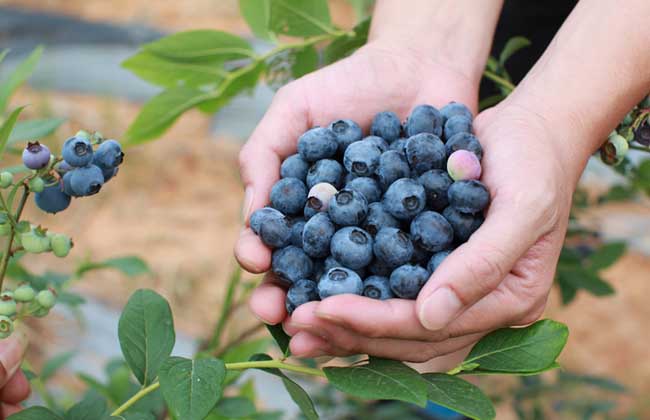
x: 375, y: 215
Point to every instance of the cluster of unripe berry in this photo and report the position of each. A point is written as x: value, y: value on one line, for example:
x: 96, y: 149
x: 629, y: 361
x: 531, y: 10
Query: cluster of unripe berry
x: 635, y: 127
x: 24, y: 301
x: 374, y: 215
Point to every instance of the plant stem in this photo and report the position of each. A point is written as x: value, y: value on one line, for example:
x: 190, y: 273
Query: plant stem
x: 499, y: 80
x: 6, y: 254
x: 239, y: 339
x: 262, y: 364
x: 226, y: 310
x: 640, y: 148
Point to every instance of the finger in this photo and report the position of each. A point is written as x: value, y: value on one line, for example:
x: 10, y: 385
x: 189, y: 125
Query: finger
x: 12, y: 351
x: 267, y: 302
x: 251, y: 253
x: 16, y: 390
x: 9, y: 409
x: 305, y: 344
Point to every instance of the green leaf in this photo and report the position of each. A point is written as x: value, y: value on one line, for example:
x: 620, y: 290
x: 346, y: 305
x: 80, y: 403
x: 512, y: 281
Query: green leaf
x: 580, y: 278
x: 18, y: 77
x: 202, y: 44
x: 301, y: 18
x: 234, y: 408
x: 160, y: 112
x: 172, y: 73
x: 459, y: 395
x: 241, y: 352
x: 361, y: 8
x: 520, y: 350
x: 513, y: 45
x: 92, y: 407
x: 606, y: 255
x: 146, y: 333
x: 35, y: 413
x: 600, y: 382
x: 70, y: 299
x: 7, y: 127
x: 298, y: 395
x: 345, y: 45
x: 29, y: 374
x: 136, y: 416
x: 256, y: 13
x: 281, y: 338
x: 131, y: 266
x: 490, y: 101
x: 567, y: 292
x: 304, y: 61
x: 380, y: 379
x: 35, y: 129
x: 238, y: 81
x: 192, y: 387
x: 479, y: 372
x: 54, y: 364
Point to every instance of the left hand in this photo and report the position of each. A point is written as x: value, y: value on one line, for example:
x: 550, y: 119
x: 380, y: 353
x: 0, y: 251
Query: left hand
x: 14, y: 386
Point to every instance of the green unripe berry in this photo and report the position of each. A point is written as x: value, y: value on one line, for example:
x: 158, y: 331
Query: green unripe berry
x: 614, y: 150
x: 7, y: 294
x: 40, y: 312
x: 35, y: 241
x: 61, y: 245
x: 83, y: 133
x: 46, y: 299
x: 7, y: 306
x: 24, y: 293
x: 36, y: 184
x: 6, y: 179
x: 6, y: 326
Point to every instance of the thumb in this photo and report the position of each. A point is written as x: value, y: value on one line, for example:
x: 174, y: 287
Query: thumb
x: 12, y: 351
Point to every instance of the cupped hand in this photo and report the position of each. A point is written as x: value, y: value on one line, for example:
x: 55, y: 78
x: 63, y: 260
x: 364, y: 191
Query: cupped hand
x: 14, y: 386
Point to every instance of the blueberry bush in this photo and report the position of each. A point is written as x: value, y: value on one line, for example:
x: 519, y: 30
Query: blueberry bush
x: 205, y: 69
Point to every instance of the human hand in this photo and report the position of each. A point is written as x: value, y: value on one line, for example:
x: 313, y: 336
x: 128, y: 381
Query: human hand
x: 14, y: 386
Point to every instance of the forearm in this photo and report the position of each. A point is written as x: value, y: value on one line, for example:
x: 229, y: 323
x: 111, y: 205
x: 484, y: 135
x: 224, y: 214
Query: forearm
x: 456, y: 32
x: 595, y: 70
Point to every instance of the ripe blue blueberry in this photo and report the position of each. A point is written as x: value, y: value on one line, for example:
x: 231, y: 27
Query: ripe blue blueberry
x: 425, y: 151
x: 407, y: 280
x: 362, y: 158
x: 259, y: 216
x: 317, y: 234
x: 379, y: 142
x: 380, y: 268
x: 294, y: 167
x: 436, y: 182
x: 437, y: 259
x: 339, y: 281
x: 36, y: 155
x: 352, y: 247
x: 325, y: 170
x: 420, y: 255
x: 77, y: 151
x: 317, y: 143
x: 86, y: 180
x: 52, y: 199
x: 378, y: 217
x: 297, y: 227
x: 404, y: 199
x: 346, y: 132
x: 318, y: 198
x: 301, y: 292
x: 331, y: 262
x: 457, y: 124
x: 424, y: 119
x: 642, y: 133
x: 431, y: 231
x: 109, y: 173
x: 464, y: 141
x: 393, y: 246
x: 399, y: 145
x: 348, y: 208
x: 468, y: 196
x: 392, y: 166
x: 377, y: 287
x: 453, y: 109
x: 319, y: 268
x: 464, y: 224
x: 108, y: 155
x: 291, y: 264
x: 386, y: 125
x: 275, y: 231
x: 289, y: 196
x: 64, y: 167
x: 366, y: 186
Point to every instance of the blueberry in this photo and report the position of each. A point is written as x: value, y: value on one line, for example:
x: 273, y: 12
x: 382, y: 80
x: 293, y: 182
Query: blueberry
x: 642, y: 133
x: 86, y: 180
x: 464, y: 141
x: 348, y: 208
x: 77, y: 151
x: 301, y: 292
x: 362, y: 158
x: 386, y: 125
x: 425, y: 151
x: 36, y: 155
x: 463, y: 165
x: 453, y: 109
x: 61, y: 245
x: 379, y: 142
x: 331, y: 262
x: 424, y: 119
x: 463, y: 224
x: 399, y: 145
x: 377, y: 287
x: 291, y: 264
x: 325, y: 170
x: 67, y: 187
x: 366, y: 186
x: 52, y: 199
x: 294, y: 167
x: 352, y: 247
x: 431, y: 231
x: 393, y: 246
x: 36, y: 184
x: 468, y: 196
x: 24, y: 293
x: 64, y: 167
x: 457, y: 124
x: 6, y: 179
x: 378, y: 218
x: 436, y: 182
x: 380, y: 268
x: 404, y: 199
x: 289, y: 196
x: 297, y: 227
x: 338, y: 281
x: 407, y: 280
x: 108, y: 155
x: 318, y: 198
x: 346, y: 132
x: 46, y: 299
x: 109, y: 173
x: 614, y: 150
x: 420, y: 255
x: 319, y: 268
x: 317, y: 143
x: 275, y: 231
x: 317, y: 234
x: 392, y: 166
x: 437, y: 259
x: 259, y: 216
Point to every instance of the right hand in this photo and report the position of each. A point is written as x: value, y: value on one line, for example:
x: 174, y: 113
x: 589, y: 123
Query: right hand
x: 14, y: 386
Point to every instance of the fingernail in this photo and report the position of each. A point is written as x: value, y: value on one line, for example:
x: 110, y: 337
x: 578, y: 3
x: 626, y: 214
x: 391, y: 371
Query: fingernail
x: 439, y: 309
x: 248, y: 203
x: 12, y: 351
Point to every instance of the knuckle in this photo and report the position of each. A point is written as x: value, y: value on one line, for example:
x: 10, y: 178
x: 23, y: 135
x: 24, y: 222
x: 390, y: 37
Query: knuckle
x: 347, y: 343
